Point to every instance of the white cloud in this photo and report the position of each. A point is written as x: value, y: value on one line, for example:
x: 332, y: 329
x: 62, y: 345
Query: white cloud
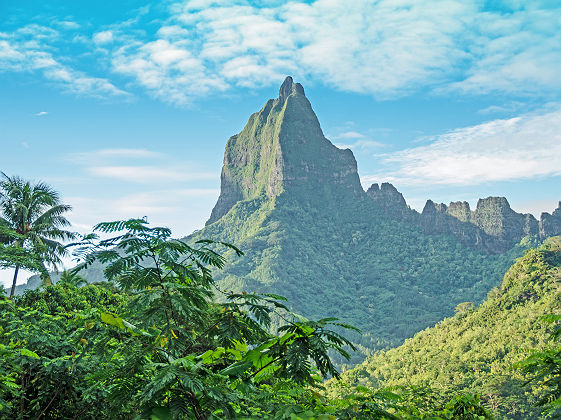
x: 40, y: 114
x: 386, y: 49
x: 167, y: 69
x: 30, y: 49
x: 518, y: 148
x: 68, y: 24
x: 103, y: 37
x: 149, y: 174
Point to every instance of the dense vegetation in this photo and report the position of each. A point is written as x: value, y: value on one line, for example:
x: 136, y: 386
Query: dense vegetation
x: 294, y: 203
x: 479, y: 348
x: 386, y: 277
x: 154, y: 344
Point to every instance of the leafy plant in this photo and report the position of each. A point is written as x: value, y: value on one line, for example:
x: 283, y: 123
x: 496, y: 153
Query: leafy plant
x: 32, y: 224
x: 545, y: 369
x: 175, y: 350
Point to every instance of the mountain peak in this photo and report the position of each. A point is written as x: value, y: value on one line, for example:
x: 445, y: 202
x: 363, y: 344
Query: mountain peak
x: 282, y: 149
x: 288, y: 87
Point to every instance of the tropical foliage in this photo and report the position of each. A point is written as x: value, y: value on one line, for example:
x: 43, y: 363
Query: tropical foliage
x: 479, y: 349
x: 160, y: 346
x: 32, y: 226
x: 385, y: 277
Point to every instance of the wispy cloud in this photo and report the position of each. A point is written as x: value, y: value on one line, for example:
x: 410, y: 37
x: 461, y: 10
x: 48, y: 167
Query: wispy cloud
x: 385, y: 48
x: 96, y: 157
x: 41, y: 114
x: 356, y: 141
x: 527, y: 146
x: 159, y: 202
x: 349, y: 135
x: 103, y: 37
x: 68, y: 24
x: 503, y: 108
x: 30, y: 49
x: 140, y: 166
x: 149, y: 174
x: 136, y: 165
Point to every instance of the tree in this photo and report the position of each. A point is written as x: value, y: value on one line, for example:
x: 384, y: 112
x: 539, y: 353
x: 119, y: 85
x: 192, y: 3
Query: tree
x: 72, y: 278
x: 545, y: 368
x: 32, y: 221
x: 178, y: 353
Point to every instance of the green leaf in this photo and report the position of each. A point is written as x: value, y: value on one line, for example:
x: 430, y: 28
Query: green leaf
x: 236, y: 369
x: 29, y: 353
x: 112, y: 320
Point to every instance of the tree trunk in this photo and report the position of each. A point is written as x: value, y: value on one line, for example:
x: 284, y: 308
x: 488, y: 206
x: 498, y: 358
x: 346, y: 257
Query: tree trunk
x: 14, y: 282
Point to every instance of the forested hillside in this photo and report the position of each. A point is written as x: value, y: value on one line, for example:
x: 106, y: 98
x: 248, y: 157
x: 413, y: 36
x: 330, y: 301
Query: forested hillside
x: 154, y: 344
x: 294, y: 203
x: 476, y: 350
x: 387, y: 278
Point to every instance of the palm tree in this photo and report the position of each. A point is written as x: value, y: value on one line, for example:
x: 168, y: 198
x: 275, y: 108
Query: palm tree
x: 35, y: 215
x: 72, y: 279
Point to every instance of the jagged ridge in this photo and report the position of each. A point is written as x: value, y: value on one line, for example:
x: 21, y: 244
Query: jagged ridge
x: 492, y: 227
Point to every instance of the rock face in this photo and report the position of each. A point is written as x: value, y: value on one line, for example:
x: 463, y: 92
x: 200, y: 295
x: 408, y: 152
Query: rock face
x: 283, y: 148
x: 391, y: 202
x: 494, y: 216
x: 492, y: 227
x: 550, y: 224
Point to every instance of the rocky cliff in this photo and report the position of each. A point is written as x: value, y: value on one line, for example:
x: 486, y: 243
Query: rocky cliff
x: 492, y: 227
x: 550, y: 224
x: 282, y: 147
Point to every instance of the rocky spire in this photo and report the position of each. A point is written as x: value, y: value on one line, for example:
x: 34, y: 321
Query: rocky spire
x: 282, y: 149
x: 288, y: 87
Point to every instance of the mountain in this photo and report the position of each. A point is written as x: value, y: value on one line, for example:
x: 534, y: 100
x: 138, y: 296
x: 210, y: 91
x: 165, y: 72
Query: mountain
x: 492, y: 227
x: 282, y: 148
x: 293, y: 202
x: 476, y: 349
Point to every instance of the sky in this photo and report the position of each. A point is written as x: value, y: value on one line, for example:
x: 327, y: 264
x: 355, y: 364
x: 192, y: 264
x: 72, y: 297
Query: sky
x: 125, y: 107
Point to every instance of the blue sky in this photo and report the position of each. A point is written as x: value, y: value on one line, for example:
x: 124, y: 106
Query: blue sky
x: 125, y: 107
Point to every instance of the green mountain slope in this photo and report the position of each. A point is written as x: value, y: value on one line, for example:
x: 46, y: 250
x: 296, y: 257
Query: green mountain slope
x: 293, y: 202
x: 475, y: 349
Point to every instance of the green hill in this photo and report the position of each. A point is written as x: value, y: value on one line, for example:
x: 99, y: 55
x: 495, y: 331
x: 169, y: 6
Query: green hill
x: 475, y: 350
x: 293, y: 202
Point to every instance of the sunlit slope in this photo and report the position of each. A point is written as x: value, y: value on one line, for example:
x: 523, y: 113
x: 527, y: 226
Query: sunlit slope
x: 475, y: 349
